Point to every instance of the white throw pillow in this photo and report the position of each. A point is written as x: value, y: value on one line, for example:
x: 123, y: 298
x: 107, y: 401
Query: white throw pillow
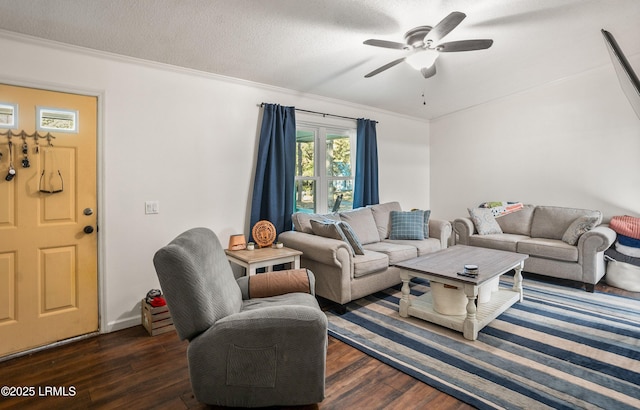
x: 484, y: 221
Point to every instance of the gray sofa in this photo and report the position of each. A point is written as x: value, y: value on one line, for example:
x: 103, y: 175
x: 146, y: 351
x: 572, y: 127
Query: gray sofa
x: 342, y: 276
x: 566, y: 243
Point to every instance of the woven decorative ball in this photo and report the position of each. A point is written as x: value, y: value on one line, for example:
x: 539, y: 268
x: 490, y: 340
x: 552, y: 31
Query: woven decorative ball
x: 264, y: 233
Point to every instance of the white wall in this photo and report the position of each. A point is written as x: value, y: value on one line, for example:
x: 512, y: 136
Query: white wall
x: 574, y: 143
x: 187, y: 140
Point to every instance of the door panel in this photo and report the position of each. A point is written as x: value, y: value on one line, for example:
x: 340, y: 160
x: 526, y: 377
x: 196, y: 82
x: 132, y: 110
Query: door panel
x: 48, y: 265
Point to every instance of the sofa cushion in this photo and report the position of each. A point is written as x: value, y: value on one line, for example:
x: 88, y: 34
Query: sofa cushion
x: 370, y: 262
x: 579, y: 227
x: 501, y: 242
x: 352, y: 237
x: 548, y: 248
x: 518, y: 222
x: 396, y: 252
x: 382, y: 216
x: 484, y: 221
x: 301, y: 220
x: 423, y: 247
x: 363, y: 224
x: 407, y: 225
x: 329, y: 229
x: 551, y: 222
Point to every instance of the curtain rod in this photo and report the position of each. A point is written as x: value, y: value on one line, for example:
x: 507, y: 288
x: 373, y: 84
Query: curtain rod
x: 320, y: 113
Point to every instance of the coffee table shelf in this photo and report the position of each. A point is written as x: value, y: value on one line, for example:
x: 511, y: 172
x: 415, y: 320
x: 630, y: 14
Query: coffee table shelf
x: 422, y: 307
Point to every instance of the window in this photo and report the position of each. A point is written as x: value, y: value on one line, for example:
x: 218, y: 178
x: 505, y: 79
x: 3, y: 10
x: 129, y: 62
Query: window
x: 8, y: 115
x: 56, y: 119
x: 325, y: 167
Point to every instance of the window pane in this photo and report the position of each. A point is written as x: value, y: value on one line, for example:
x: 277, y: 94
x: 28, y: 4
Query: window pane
x: 305, y: 196
x: 340, y: 188
x: 8, y: 115
x: 53, y: 119
x: 338, y: 156
x: 305, y: 158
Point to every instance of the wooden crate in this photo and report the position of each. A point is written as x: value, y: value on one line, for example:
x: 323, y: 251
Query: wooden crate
x: 156, y: 320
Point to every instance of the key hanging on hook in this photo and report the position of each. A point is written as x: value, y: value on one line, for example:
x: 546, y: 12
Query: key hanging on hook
x: 25, y: 151
x: 12, y: 171
x: 36, y: 148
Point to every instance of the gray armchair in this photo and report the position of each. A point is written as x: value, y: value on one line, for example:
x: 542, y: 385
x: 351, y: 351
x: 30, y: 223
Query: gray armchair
x: 242, y: 352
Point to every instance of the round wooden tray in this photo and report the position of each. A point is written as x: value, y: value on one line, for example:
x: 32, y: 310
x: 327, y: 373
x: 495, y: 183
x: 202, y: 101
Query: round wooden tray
x: 264, y: 233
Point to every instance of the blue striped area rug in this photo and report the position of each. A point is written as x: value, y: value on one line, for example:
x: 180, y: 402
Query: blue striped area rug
x: 561, y: 348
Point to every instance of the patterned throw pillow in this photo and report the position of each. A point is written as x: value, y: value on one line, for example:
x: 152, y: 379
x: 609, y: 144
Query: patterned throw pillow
x: 578, y: 227
x: 484, y: 221
x: 352, y: 238
x: 407, y: 225
x: 427, y: 214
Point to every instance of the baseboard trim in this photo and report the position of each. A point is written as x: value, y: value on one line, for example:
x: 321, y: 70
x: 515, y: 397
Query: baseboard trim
x: 123, y: 324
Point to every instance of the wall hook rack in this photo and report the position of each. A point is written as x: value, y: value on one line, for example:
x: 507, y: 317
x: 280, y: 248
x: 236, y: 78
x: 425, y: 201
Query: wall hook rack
x: 23, y: 134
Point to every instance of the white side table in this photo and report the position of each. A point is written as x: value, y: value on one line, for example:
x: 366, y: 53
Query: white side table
x: 264, y: 258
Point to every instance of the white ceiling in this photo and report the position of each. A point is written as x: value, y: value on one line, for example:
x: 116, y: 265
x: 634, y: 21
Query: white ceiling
x: 315, y: 46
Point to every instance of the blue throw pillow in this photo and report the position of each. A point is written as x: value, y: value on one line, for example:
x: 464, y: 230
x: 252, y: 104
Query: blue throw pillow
x: 407, y: 225
x: 427, y: 214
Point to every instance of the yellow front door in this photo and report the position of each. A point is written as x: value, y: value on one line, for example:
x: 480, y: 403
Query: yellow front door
x: 48, y: 263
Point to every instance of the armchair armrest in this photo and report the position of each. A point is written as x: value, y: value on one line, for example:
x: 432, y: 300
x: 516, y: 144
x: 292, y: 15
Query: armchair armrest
x: 440, y: 229
x: 277, y: 283
x: 318, y: 248
x: 464, y: 228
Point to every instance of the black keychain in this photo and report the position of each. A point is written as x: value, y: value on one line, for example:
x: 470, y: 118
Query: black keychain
x: 25, y: 152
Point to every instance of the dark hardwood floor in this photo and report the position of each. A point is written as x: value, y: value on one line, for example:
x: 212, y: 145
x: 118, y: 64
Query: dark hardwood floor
x: 130, y: 369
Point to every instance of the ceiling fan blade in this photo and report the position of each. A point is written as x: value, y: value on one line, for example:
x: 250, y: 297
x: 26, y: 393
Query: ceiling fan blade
x: 428, y: 71
x: 386, y: 44
x: 385, y: 67
x: 445, y: 26
x: 464, y: 45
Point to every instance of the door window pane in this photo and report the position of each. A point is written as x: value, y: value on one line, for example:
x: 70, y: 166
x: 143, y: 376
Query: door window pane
x: 8, y: 115
x: 55, y: 119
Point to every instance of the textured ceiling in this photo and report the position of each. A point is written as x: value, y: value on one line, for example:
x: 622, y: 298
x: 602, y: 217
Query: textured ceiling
x: 315, y: 46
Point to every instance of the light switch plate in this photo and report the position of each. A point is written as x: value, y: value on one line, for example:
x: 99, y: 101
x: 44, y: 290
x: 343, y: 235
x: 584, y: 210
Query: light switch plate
x: 151, y: 207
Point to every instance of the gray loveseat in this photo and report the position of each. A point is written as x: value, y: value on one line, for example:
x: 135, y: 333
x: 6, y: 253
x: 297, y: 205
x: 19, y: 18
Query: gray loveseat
x: 566, y: 243
x: 342, y: 276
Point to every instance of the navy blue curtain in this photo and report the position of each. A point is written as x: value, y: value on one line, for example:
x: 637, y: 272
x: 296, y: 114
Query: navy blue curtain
x: 275, y: 168
x: 365, y: 191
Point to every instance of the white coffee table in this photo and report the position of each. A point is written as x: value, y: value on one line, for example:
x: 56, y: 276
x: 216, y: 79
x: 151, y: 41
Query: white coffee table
x: 443, y: 267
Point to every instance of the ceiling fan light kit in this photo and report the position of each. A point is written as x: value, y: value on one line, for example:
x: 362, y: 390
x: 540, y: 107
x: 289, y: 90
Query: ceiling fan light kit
x: 423, y: 41
x: 422, y: 59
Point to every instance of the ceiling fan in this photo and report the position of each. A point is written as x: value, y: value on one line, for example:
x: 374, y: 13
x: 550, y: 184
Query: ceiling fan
x: 423, y: 43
